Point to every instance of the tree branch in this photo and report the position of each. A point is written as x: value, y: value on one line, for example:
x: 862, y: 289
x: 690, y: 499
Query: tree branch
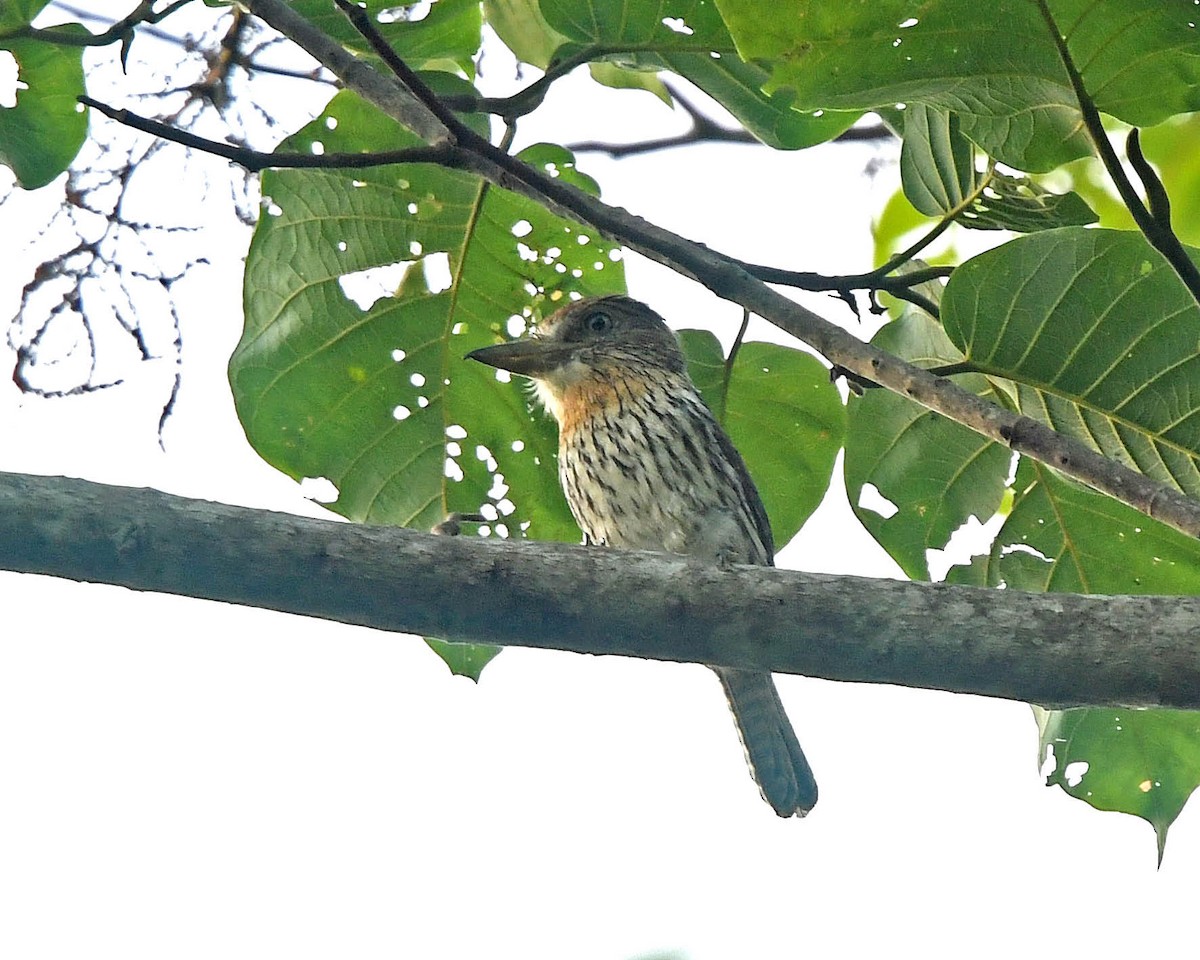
x: 1055, y: 649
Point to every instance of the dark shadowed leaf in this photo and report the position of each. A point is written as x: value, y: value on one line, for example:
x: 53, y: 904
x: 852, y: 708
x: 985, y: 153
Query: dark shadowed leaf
x: 937, y: 170
x: 688, y: 37
x: 995, y: 65
x: 1025, y: 206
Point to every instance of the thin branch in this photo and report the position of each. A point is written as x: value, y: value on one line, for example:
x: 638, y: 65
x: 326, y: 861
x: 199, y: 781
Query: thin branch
x: 701, y: 130
x: 120, y: 30
x: 1156, y: 228
x: 1156, y: 193
x: 256, y: 161
x: 727, y: 371
x: 704, y: 129
x: 531, y: 97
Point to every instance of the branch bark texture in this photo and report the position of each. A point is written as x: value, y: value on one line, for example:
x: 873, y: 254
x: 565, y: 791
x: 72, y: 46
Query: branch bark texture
x: 1054, y: 649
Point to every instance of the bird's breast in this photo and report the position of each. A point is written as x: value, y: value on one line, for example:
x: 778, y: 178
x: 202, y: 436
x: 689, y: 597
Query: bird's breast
x: 641, y: 470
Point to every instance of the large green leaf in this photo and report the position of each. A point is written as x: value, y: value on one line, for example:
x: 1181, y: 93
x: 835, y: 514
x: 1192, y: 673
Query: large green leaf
x: 1062, y: 537
x: 41, y: 135
x: 782, y: 413
x: 935, y: 473
x: 1100, y: 336
x: 937, y: 163
x: 361, y: 396
x: 688, y: 37
x: 378, y: 399
x: 995, y: 65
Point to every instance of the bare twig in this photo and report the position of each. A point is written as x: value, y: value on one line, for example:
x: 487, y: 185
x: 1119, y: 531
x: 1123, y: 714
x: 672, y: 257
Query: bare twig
x: 257, y: 161
x: 120, y: 30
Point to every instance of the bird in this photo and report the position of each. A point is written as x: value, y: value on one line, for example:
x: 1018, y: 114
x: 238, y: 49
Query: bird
x: 645, y: 465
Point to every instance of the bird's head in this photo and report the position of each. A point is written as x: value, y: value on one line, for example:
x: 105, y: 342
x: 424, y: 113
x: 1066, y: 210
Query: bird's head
x: 583, y: 352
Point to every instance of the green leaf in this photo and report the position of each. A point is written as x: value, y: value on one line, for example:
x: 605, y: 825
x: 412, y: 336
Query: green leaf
x: 620, y: 78
x: 937, y: 170
x: 1141, y: 762
x: 520, y: 24
x: 995, y: 65
x: 449, y: 33
x: 42, y: 134
x: 1023, y: 205
x: 464, y: 659
x: 1100, y: 337
x: 935, y: 473
x: 1062, y: 537
x: 688, y: 37
x: 18, y: 13
x: 1174, y: 149
x: 379, y: 400
x: 782, y: 413
x: 937, y: 163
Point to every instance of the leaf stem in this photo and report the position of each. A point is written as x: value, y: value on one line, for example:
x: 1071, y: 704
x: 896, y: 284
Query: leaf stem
x: 1155, y: 221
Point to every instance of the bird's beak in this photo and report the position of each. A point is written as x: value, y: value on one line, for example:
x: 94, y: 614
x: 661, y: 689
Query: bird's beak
x: 529, y: 358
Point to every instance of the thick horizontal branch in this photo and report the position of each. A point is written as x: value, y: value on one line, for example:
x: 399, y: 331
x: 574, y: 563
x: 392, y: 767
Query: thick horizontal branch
x: 1053, y: 649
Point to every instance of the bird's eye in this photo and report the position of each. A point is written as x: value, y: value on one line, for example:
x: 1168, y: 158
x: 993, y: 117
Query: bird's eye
x: 598, y: 322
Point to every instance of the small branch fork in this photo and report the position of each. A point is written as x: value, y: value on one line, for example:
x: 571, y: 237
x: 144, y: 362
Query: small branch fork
x: 454, y: 145
x: 1154, y: 219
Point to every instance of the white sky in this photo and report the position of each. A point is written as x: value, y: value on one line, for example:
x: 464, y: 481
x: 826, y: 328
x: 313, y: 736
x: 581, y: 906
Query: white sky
x: 187, y: 779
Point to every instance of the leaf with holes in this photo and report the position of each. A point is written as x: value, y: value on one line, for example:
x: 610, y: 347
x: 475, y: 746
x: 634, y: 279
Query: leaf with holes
x: 782, y: 413
x: 351, y: 368
x: 995, y: 65
x: 688, y: 37
x: 1100, y: 337
x: 929, y: 475
x: 447, y: 36
x: 1062, y: 537
x: 42, y: 134
x: 1023, y: 205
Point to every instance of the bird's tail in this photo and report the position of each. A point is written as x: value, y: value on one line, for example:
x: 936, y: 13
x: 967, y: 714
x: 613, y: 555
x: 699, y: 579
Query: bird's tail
x: 777, y: 763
